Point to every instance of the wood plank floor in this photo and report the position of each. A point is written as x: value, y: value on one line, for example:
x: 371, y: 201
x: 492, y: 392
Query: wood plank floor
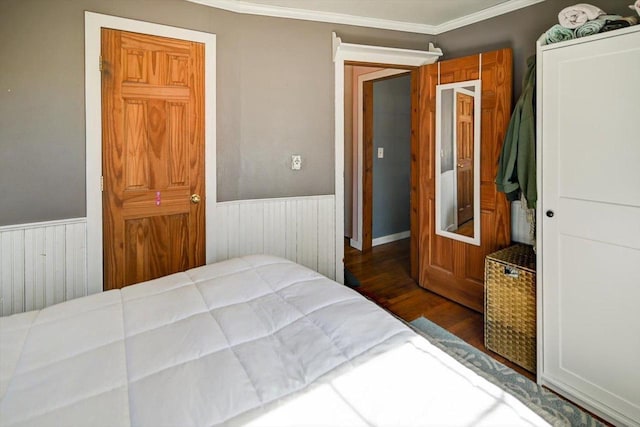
x: 385, y: 278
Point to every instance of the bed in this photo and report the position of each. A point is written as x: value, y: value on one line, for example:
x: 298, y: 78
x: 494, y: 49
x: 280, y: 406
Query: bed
x: 256, y: 340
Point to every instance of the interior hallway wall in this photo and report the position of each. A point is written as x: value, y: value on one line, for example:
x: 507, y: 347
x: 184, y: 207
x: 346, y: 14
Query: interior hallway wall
x: 392, y: 172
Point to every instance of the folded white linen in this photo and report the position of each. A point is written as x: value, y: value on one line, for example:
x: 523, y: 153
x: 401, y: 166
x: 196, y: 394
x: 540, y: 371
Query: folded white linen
x: 574, y: 16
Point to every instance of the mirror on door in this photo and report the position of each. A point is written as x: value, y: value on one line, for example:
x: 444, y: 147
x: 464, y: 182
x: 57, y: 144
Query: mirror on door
x: 458, y: 161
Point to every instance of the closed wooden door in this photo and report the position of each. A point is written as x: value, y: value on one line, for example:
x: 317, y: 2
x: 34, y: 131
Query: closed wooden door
x: 152, y: 156
x: 450, y: 267
x: 464, y: 156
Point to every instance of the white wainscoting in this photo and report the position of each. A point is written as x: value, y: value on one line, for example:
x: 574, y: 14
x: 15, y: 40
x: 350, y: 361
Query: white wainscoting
x: 46, y: 263
x: 42, y: 264
x: 301, y: 229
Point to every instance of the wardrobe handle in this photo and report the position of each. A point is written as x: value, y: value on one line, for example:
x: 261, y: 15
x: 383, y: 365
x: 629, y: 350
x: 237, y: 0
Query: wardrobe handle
x: 550, y: 214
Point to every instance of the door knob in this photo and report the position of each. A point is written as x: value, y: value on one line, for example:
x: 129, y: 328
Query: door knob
x: 195, y: 199
x: 550, y: 214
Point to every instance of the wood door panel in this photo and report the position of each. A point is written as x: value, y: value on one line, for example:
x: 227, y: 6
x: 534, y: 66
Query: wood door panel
x: 153, y: 156
x: 148, y: 91
x: 135, y: 253
x: 156, y: 246
x: 449, y: 267
x: 178, y: 143
x: 136, y: 145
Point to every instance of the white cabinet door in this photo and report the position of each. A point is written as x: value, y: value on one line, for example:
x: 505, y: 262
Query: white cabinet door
x: 590, y: 223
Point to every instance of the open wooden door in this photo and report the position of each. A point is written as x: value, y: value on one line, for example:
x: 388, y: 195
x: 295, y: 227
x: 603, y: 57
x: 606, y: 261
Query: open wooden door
x: 152, y: 156
x: 464, y: 149
x: 449, y: 267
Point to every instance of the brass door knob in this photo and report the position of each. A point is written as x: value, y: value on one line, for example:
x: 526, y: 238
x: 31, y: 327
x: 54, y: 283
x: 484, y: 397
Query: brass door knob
x: 195, y: 199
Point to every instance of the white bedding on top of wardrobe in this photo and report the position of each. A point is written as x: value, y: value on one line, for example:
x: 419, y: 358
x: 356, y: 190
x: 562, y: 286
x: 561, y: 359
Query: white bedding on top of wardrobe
x: 254, y: 340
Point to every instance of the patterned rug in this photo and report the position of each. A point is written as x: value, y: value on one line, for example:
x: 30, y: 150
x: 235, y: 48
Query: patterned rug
x: 557, y: 411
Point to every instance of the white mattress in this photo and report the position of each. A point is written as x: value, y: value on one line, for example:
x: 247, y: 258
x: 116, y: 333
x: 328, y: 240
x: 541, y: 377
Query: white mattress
x: 255, y: 340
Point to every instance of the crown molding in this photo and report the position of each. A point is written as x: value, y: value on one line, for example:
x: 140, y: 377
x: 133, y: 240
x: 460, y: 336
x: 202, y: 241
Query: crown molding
x: 491, y: 12
x: 246, y: 7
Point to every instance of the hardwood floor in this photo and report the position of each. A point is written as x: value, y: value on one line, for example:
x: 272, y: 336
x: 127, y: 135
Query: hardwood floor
x: 384, y: 275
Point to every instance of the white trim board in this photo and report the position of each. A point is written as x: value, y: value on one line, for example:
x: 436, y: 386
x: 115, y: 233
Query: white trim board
x: 93, y: 109
x: 51, y: 223
x: 390, y: 238
x: 360, y: 53
x: 246, y: 7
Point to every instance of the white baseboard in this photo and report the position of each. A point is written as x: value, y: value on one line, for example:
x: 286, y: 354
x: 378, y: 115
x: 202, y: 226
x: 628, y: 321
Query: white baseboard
x: 390, y: 238
x: 355, y: 244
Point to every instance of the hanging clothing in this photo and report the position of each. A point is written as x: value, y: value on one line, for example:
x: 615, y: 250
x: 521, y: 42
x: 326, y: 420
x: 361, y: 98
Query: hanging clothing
x: 517, y: 165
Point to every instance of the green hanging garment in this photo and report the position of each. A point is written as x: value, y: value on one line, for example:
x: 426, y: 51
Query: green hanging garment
x: 517, y: 165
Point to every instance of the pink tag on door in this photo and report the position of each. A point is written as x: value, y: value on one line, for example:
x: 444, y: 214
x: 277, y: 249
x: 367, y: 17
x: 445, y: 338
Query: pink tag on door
x: 157, y: 198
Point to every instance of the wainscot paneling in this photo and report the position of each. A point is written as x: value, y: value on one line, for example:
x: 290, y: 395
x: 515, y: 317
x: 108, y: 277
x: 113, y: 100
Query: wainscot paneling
x: 46, y: 263
x: 42, y: 264
x: 301, y: 229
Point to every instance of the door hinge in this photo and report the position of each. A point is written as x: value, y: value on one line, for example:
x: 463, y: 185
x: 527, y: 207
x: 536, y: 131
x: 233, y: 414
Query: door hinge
x: 101, y: 183
x: 100, y: 66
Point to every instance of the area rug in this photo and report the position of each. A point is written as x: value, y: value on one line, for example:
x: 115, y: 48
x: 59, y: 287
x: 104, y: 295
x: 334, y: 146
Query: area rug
x: 350, y: 280
x: 555, y: 410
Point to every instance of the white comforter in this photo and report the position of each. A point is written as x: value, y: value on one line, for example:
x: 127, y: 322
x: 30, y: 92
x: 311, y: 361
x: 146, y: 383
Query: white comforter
x: 255, y: 340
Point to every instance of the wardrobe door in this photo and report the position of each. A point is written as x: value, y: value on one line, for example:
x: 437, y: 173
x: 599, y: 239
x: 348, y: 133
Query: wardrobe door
x: 590, y: 223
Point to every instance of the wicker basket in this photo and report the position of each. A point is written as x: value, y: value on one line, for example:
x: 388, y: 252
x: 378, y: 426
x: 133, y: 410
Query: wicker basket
x: 510, y: 305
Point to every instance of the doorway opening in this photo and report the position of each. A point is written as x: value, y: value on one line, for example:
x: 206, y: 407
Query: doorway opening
x: 377, y: 152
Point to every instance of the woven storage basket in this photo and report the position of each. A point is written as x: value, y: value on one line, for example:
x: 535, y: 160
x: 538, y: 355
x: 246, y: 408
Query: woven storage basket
x: 510, y: 304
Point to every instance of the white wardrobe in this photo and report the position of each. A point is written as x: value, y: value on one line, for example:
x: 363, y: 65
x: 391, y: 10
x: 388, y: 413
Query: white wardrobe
x: 589, y: 222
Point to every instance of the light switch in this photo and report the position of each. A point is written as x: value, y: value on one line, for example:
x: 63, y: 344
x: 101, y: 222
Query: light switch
x: 296, y: 162
x: 380, y: 152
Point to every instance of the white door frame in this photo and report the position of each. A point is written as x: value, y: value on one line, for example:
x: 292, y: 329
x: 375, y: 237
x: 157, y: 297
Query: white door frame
x: 356, y: 242
x: 367, y: 54
x: 94, y: 22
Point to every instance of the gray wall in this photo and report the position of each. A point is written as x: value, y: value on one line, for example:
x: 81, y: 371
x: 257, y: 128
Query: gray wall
x: 391, y: 174
x: 274, y: 87
x: 518, y: 30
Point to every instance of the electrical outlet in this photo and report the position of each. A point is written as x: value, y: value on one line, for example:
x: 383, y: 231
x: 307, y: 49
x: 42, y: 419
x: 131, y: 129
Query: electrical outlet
x: 296, y: 162
x: 380, y: 152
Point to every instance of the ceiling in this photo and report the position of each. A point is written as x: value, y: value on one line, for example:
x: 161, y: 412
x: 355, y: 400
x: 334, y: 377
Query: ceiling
x: 416, y: 16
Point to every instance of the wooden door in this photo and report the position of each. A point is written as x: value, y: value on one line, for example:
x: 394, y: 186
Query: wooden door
x: 367, y: 165
x: 449, y: 267
x: 464, y: 156
x: 589, y: 223
x: 152, y: 156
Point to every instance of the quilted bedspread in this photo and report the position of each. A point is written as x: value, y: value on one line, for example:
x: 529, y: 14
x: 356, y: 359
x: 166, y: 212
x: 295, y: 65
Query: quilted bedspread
x: 256, y: 340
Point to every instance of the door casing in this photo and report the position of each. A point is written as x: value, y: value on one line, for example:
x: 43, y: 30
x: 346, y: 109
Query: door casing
x: 93, y: 125
x: 381, y: 57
